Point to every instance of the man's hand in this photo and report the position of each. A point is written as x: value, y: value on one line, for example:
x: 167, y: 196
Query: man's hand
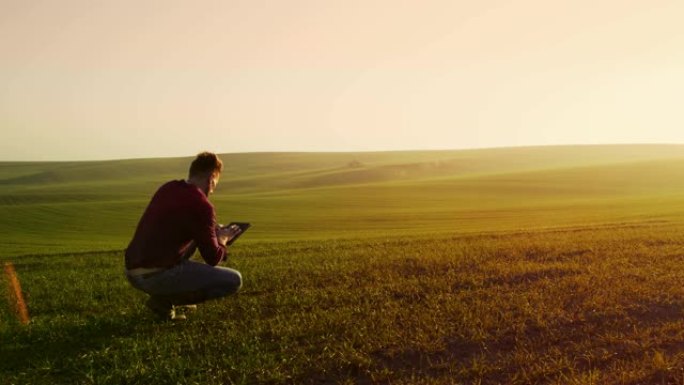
x: 224, y: 235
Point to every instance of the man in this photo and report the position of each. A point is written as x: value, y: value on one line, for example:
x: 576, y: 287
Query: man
x: 178, y: 220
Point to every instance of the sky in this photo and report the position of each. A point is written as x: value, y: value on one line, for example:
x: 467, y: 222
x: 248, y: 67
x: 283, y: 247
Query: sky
x: 95, y: 79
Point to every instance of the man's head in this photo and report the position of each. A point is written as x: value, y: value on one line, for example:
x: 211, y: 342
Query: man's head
x: 205, y: 171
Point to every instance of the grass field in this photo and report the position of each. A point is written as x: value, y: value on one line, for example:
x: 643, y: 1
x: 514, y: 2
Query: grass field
x: 549, y: 265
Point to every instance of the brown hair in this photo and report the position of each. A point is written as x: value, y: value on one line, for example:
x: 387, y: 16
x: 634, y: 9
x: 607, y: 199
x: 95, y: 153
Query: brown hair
x: 205, y: 163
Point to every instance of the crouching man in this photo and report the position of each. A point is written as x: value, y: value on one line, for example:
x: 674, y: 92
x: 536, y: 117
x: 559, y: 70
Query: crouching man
x: 178, y: 220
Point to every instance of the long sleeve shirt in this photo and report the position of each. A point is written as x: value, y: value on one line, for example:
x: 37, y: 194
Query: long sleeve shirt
x: 178, y: 214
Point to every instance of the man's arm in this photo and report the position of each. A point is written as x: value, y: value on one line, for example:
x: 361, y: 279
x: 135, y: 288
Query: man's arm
x: 206, y: 237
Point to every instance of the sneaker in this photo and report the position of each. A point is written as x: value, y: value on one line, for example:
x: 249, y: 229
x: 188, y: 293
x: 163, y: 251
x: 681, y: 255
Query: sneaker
x: 177, y: 317
x: 164, y: 310
x: 186, y: 307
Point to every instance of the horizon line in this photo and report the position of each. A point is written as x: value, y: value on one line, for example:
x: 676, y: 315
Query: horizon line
x: 220, y: 153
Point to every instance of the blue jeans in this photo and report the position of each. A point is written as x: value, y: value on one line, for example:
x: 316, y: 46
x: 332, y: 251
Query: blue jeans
x: 190, y: 282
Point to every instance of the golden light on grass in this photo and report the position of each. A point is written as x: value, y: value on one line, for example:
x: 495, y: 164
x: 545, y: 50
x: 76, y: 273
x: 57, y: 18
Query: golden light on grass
x: 15, y: 296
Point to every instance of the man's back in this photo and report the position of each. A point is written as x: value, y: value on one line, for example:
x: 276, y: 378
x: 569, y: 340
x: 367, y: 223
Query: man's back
x: 178, y: 213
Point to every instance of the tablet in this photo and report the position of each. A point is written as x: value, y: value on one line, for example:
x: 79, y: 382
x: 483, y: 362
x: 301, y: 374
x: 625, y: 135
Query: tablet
x: 243, y: 227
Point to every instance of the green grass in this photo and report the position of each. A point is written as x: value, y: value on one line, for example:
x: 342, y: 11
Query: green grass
x: 551, y: 265
x: 601, y: 305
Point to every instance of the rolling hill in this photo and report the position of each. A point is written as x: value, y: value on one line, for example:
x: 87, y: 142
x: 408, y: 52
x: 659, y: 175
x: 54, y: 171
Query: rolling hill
x: 70, y: 206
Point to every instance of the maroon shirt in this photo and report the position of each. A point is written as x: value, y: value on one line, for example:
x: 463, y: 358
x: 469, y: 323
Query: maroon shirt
x: 178, y: 214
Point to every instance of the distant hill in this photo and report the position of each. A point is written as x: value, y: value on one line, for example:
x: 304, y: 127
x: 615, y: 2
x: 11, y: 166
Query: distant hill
x: 52, y: 206
x: 323, y: 168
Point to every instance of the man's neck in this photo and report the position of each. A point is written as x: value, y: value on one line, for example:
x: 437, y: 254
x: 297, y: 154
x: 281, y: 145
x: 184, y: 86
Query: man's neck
x: 195, y: 182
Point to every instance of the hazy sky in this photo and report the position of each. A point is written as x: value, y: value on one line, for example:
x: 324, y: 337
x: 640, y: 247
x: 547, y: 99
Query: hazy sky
x: 98, y: 79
